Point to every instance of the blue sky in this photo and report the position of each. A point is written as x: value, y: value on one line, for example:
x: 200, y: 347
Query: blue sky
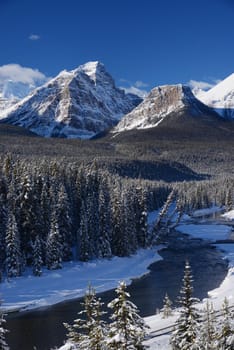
x: 142, y: 43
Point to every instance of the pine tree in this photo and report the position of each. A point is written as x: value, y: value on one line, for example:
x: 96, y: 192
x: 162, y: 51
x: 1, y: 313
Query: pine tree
x: 13, y: 255
x: 184, y: 335
x: 3, y: 331
x: 127, y: 330
x: 89, y: 332
x: 64, y: 221
x: 167, y: 310
x: 105, y: 232
x: 83, y: 239
x: 37, y: 256
x: 226, y: 333
x: 53, y: 246
x: 3, y: 221
x: 228, y: 200
x: 207, y: 338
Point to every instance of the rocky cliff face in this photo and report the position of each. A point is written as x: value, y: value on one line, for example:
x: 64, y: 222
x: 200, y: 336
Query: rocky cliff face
x: 161, y: 102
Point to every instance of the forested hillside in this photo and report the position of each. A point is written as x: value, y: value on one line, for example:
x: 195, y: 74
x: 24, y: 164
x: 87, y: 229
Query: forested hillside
x: 72, y: 199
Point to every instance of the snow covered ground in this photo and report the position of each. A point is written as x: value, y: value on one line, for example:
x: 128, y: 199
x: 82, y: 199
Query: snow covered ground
x: 29, y: 292
x: 211, y: 232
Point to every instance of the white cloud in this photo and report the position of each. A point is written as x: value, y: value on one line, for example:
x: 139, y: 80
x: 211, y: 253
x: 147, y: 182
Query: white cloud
x: 134, y: 90
x: 137, y: 88
x: 19, y: 74
x: 34, y: 37
x: 202, y: 85
x: 141, y: 84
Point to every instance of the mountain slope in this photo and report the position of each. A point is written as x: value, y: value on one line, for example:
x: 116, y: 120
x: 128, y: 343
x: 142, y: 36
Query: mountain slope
x: 167, y: 105
x: 75, y: 104
x: 221, y: 97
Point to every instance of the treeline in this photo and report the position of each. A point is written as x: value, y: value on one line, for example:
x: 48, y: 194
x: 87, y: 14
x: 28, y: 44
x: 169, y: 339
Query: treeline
x: 204, y: 194
x: 52, y: 212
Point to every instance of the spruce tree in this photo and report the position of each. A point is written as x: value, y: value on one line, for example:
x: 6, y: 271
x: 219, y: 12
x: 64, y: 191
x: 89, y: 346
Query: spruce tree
x: 53, y: 246
x: 226, y: 333
x: 184, y: 336
x: 128, y: 329
x: 3, y: 331
x: 37, y: 257
x: 89, y: 332
x: 207, y: 337
x: 64, y: 221
x: 3, y: 221
x: 13, y: 255
x: 167, y: 310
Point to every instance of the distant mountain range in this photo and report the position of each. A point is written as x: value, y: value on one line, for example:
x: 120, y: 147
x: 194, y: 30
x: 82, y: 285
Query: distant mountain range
x: 85, y: 102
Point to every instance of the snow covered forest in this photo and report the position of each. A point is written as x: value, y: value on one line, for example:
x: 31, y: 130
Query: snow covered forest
x: 52, y: 212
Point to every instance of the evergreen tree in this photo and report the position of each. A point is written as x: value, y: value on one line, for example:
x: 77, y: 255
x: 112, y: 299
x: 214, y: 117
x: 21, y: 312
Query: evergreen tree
x: 167, y: 310
x: 207, y: 339
x: 3, y: 331
x: 83, y: 239
x: 53, y: 246
x: 64, y: 222
x: 13, y: 255
x: 37, y: 256
x: 127, y: 330
x: 141, y: 217
x: 226, y: 334
x: 105, y: 232
x: 228, y: 200
x: 89, y: 332
x: 184, y: 336
x: 3, y: 221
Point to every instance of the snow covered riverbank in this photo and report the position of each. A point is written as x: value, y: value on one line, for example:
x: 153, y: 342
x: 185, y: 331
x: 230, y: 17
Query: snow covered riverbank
x: 30, y: 292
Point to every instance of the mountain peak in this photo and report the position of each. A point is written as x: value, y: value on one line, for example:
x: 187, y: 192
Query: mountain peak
x: 161, y: 102
x: 78, y: 103
x: 91, y: 68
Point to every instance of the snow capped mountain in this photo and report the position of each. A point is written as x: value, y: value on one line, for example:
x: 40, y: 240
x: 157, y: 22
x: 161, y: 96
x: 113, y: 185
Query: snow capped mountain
x: 78, y: 103
x: 221, y: 97
x: 161, y: 102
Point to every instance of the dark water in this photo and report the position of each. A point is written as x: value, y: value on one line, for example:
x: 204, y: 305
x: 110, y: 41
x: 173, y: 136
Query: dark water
x: 44, y: 328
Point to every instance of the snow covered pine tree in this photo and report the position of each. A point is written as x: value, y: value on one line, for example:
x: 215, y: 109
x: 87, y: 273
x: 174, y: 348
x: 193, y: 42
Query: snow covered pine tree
x: 128, y: 329
x: 184, y: 336
x: 88, y: 333
x: 3, y: 331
